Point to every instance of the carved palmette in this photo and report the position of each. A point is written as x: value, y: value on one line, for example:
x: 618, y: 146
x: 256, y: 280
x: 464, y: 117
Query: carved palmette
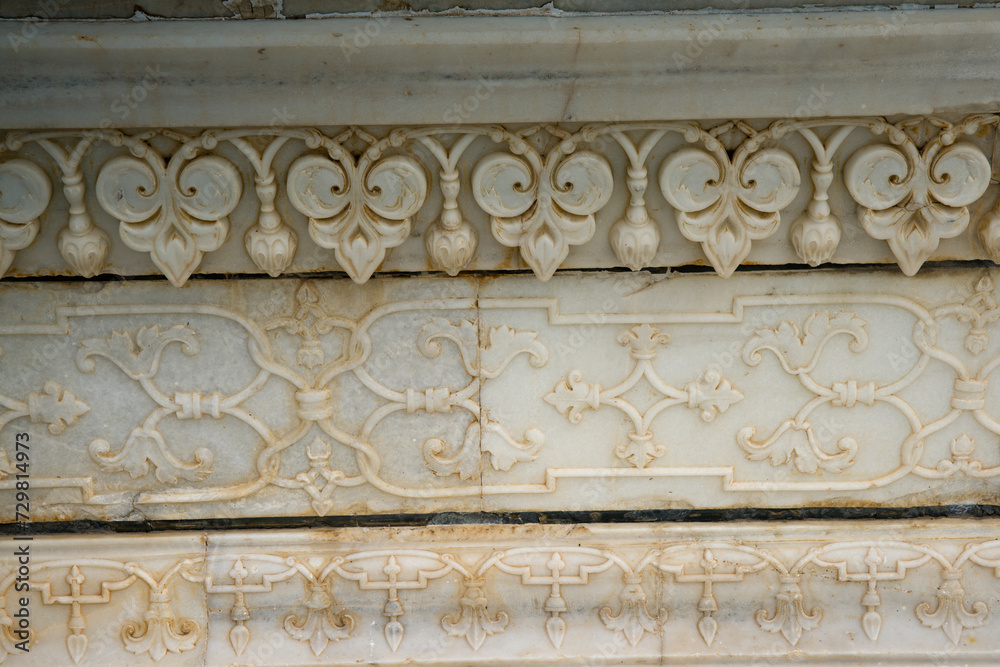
x: 539, y: 190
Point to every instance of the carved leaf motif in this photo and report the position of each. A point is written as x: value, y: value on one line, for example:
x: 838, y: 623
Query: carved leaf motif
x: 359, y: 221
x: 141, y: 363
x: 174, y: 217
x: 148, y: 446
x: 789, y: 617
x: 464, y: 335
x: 555, y: 628
x: 160, y: 633
x: 723, y: 205
x: 542, y: 214
x: 76, y: 646
x: 951, y: 615
x: 633, y: 618
x: 808, y: 457
x: 25, y: 192
x: 505, y: 343
x: 56, y: 407
x: 914, y: 201
x: 321, y: 625
x: 493, y: 443
x: 572, y: 396
x: 712, y: 394
x: 799, y: 351
x: 467, y: 462
x: 504, y: 451
x: 474, y: 622
x: 239, y: 638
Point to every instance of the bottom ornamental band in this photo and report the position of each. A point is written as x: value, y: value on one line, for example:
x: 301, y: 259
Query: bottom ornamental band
x: 822, y: 593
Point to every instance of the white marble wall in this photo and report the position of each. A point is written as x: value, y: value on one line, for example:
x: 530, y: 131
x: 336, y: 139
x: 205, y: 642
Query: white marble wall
x: 506, y: 152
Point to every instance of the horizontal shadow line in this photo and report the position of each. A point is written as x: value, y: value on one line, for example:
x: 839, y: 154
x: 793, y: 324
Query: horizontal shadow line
x: 88, y: 527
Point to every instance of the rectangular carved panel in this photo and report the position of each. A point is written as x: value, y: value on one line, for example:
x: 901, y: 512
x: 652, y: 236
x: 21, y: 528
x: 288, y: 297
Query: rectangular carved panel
x: 835, y: 593
x: 286, y: 397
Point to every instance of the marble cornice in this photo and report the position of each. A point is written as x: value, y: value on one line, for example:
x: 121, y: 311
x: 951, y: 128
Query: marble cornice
x: 413, y: 69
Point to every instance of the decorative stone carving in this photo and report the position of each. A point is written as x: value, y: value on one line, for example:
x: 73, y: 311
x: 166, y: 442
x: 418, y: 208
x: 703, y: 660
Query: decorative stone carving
x: 914, y: 198
x: 291, y: 397
x: 540, y: 189
x: 542, y: 205
x: 25, y: 191
x: 725, y: 204
x: 844, y: 592
x: 174, y: 211
x: 359, y: 209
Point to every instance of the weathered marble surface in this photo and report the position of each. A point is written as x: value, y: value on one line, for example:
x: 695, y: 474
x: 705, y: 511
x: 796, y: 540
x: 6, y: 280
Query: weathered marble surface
x: 287, y: 397
x: 452, y: 198
x: 414, y: 69
x: 837, y: 593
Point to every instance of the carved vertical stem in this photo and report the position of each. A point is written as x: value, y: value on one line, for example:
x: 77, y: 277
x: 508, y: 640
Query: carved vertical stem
x: 451, y: 241
x: 270, y: 243
x: 815, y: 235
x: 636, y: 237
x: 81, y: 244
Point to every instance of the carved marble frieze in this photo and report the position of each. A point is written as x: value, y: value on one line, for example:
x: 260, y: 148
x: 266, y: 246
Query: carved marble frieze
x: 488, y: 197
x: 298, y: 397
x: 836, y: 593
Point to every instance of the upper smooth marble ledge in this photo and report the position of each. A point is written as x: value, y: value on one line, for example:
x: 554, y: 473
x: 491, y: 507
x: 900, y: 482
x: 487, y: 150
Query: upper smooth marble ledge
x: 414, y: 69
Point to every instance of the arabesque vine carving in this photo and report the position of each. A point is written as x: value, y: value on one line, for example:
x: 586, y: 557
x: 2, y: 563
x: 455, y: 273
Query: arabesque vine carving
x: 550, y: 582
x: 351, y: 410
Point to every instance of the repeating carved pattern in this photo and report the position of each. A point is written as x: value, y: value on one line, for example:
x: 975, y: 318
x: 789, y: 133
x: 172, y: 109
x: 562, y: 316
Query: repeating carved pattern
x: 564, y: 587
x: 410, y: 398
x: 711, y: 395
x: 540, y: 189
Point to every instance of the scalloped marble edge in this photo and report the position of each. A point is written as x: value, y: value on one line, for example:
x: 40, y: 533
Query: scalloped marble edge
x: 824, y: 593
x: 361, y: 200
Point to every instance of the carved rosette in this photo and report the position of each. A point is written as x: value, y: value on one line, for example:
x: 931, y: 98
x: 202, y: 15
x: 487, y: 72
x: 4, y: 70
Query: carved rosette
x: 175, y: 211
x: 914, y: 199
x: 25, y: 191
x: 542, y: 208
x: 359, y: 210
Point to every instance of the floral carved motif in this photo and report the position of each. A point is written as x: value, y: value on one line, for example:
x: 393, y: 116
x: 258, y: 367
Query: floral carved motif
x: 596, y: 585
x: 321, y: 396
x: 711, y: 395
x: 541, y: 189
x: 724, y: 203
